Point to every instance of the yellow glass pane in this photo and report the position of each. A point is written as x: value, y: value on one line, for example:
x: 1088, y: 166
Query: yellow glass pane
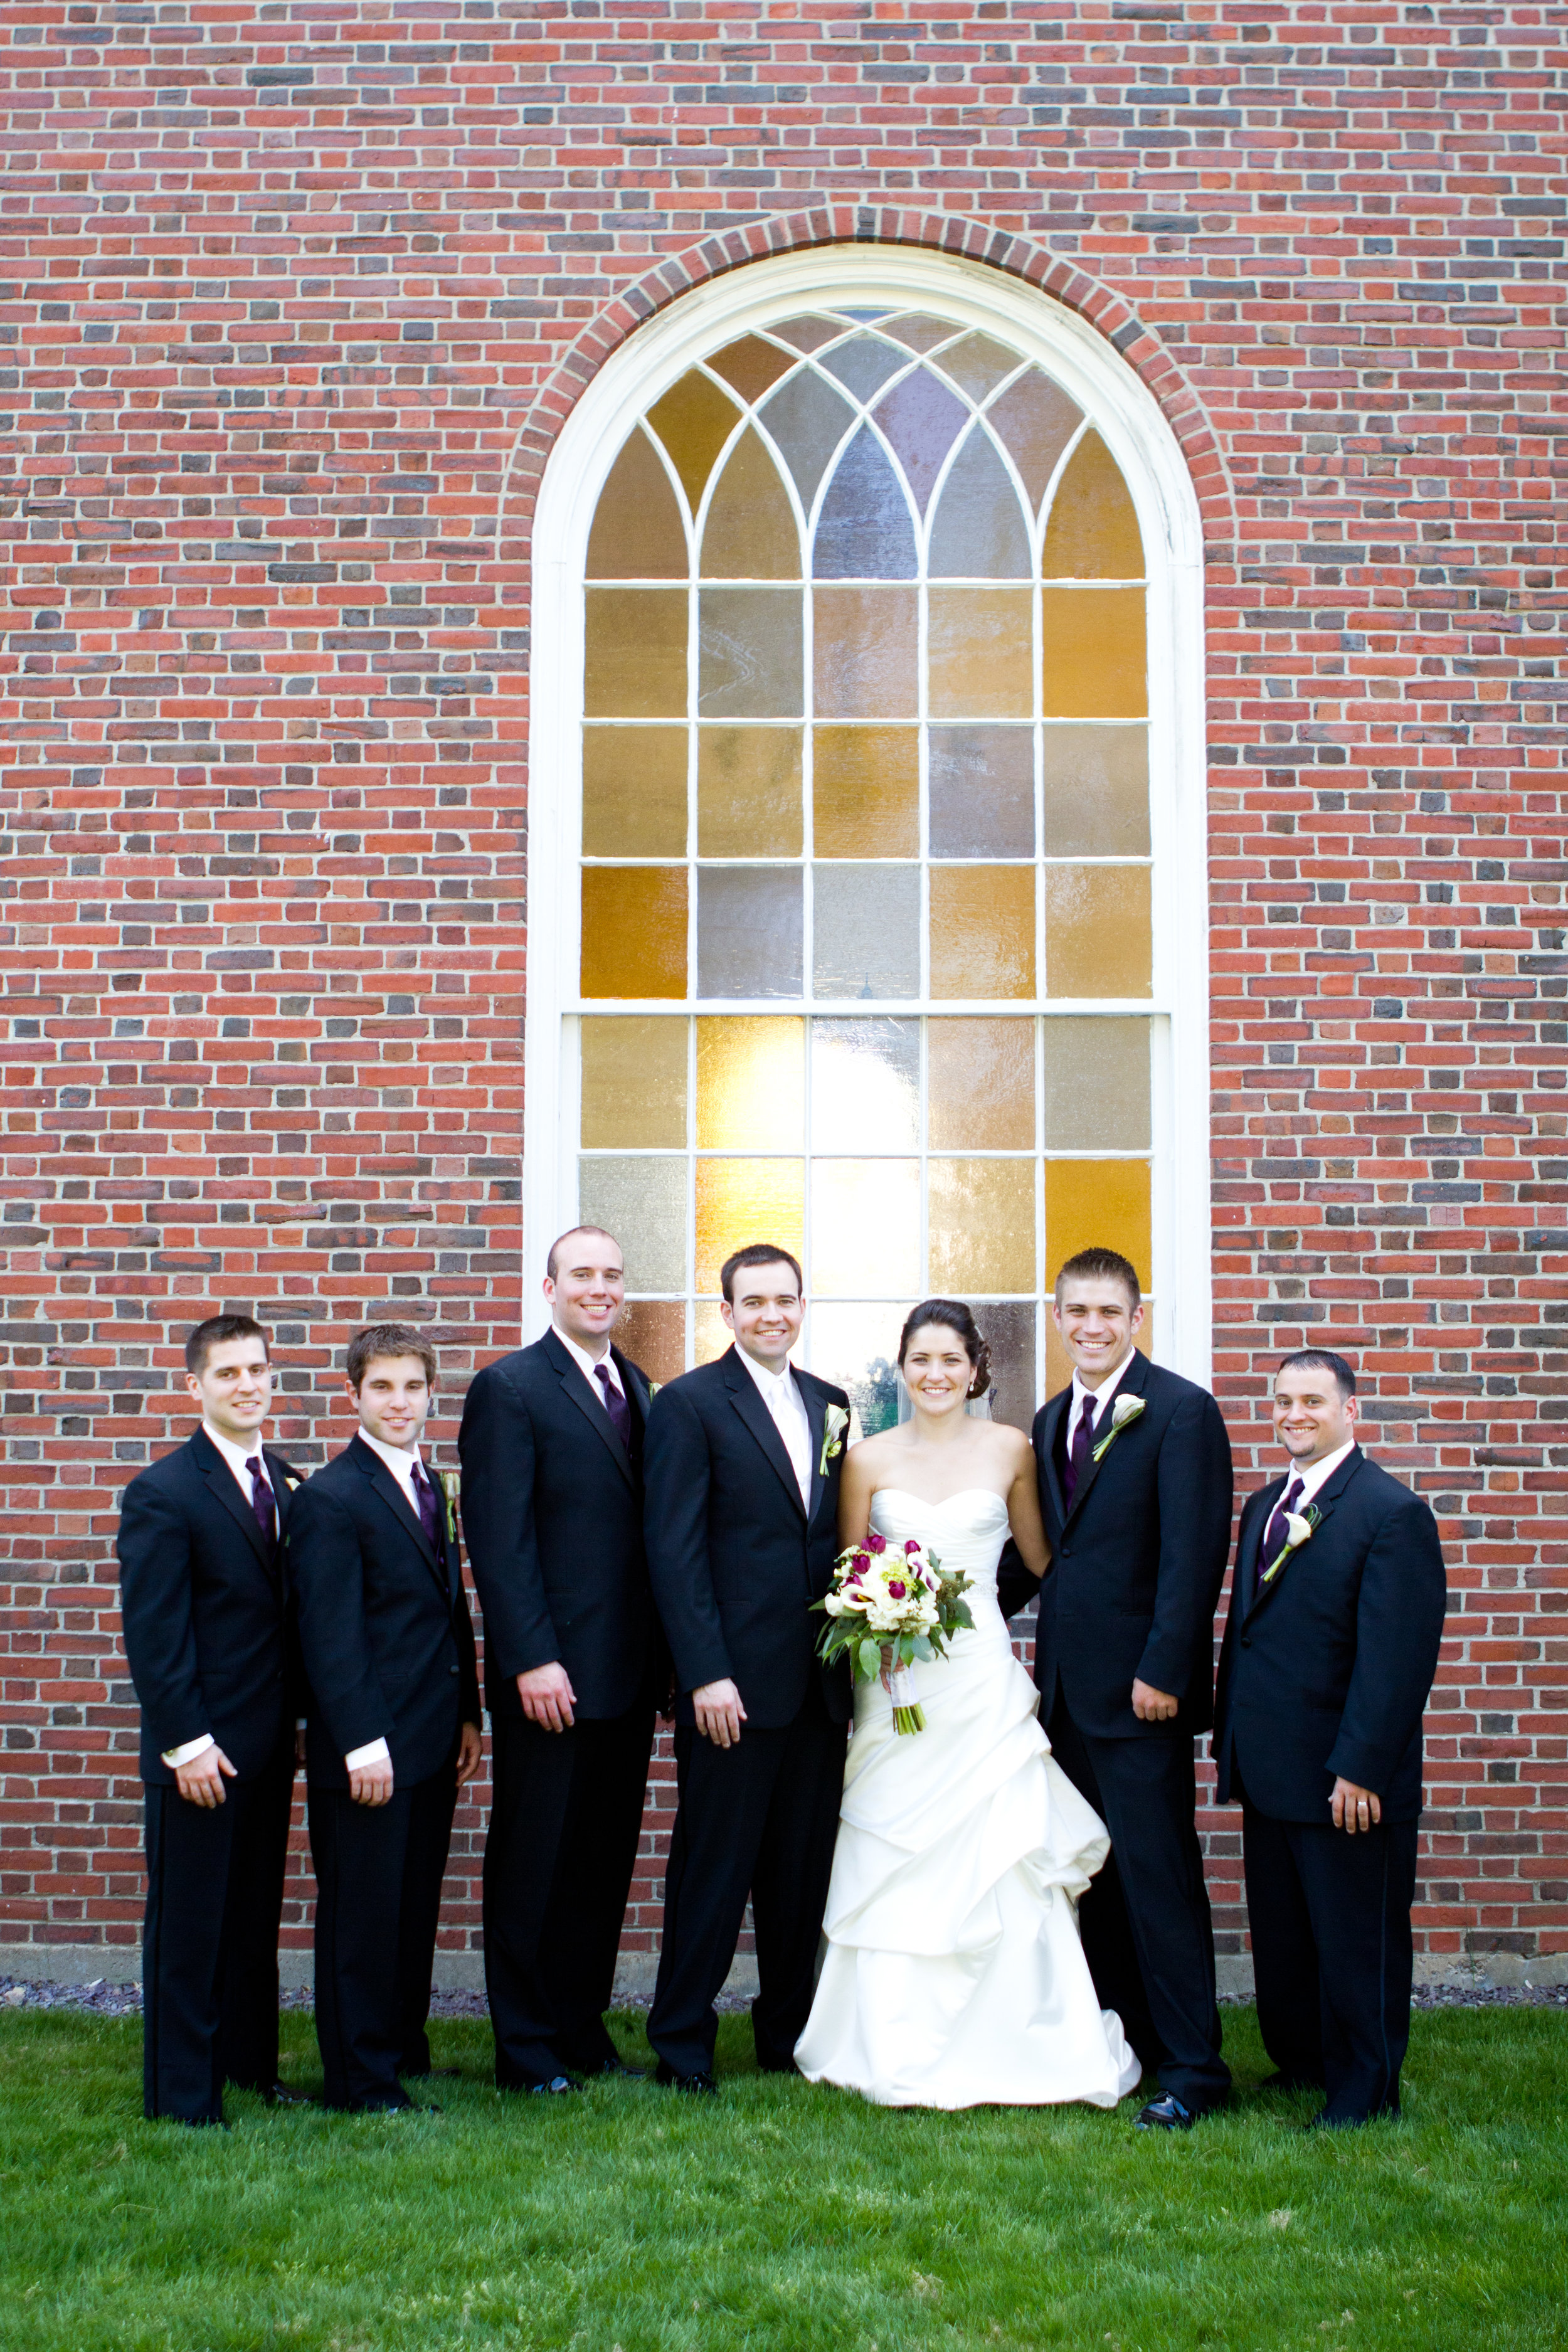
x: 751, y: 1084
x: 634, y: 792
x: 981, y: 1217
x: 694, y: 420
x: 750, y: 533
x: 633, y: 930
x: 638, y: 532
x: 743, y: 1200
x: 1095, y: 797
x: 652, y: 1332
x: 865, y: 792
x: 749, y: 793
x: 712, y: 1334
x: 1096, y: 1204
x: 633, y: 1084
x: 983, y: 930
x: 865, y: 1226
x: 751, y: 365
x: 634, y: 656
x: 1097, y: 1085
x: 1093, y: 531
x: 981, y: 1086
x: 1099, y: 938
x: 980, y: 664
x: 1059, y: 1363
x: 865, y: 654
x: 1095, y: 665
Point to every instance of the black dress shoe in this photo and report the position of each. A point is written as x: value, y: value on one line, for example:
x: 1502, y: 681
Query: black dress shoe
x: 1165, y: 2114
x: 282, y: 2095
x: 560, y: 2086
x: 701, y: 2085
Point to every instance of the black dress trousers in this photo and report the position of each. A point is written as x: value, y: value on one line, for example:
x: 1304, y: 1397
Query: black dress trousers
x: 565, y: 1816
x: 215, y: 1896
x: 1332, y: 1954
x: 378, y: 1891
x: 1148, y: 1934
x: 759, y: 1819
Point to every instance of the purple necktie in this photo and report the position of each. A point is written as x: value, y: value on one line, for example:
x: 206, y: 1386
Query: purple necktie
x: 1274, y: 1533
x: 615, y: 1405
x: 425, y: 1494
x: 1078, y: 1458
x: 262, y: 1502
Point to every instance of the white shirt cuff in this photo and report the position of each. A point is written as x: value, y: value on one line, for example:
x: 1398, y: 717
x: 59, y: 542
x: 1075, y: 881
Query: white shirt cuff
x: 174, y: 1757
x: 378, y: 1752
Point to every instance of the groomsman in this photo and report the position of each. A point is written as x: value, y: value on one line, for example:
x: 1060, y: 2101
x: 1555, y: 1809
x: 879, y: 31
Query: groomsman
x: 552, y: 1449
x: 1135, y: 1488
x: 1336, y: 1614
x: 743, y: 1511
x: 204, y: 1608
x: 393, y: 1721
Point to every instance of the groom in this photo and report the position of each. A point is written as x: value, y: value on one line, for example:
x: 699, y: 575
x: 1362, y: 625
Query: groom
x: 740, y: 1470
x: 1135, y: 1489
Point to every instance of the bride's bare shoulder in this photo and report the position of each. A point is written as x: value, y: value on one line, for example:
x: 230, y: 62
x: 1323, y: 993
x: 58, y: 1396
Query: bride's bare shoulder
x: 874, y: 1453
x: 1013, y: 1447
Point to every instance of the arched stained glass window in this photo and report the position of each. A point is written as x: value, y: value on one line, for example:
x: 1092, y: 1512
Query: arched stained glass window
x: 866, y: 952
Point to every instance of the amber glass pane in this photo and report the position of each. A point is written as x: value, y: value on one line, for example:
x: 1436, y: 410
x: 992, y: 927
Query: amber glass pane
x: 980, y: 532
x: 749, y: 800
x: 1007, y: 1327
x: 1097, y: 1085
x: 807, y: 419
x: 982, y: 1080
x: 1095, y: 664
x: 634, y: 657
x: 749, y: 930
x: 978, y: 364
x: 634, y: 792
x: 866, y: 657
x: 643, y: 1202
x: 982, y: 1225
x: 865, y: 1226
x: 750, y: 1085
x: 981, y: 931
x: 1095, y: 792
x: 1098, y: 940
x: 1036, y: 420
x: 865, y: 930
x: 638, y: 530
x: 633, y: 1084
x: 865, y: 792
x: 1059, y: 1363
x: 863, y: 530
x: 807, y: 334
x: 982, y: 791
x: 652, y: 1332
x: 694, y: 420
x: 712, y: 1335
x: 633, y: 930
x: 920, y: 333
x: 1093, y: 531
x: 750, y: 657
x: 923, y: 420
x: 750, y: 531
x: 1096, y: 1204
x: 751, y: 365
x: 864, y: 1085
x: 855, y: 1347
x: 743, y: 1200
x: 979, y: 661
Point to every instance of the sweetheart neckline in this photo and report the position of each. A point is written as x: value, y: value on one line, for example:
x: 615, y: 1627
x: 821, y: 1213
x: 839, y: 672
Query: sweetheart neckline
x: 911, y: 1496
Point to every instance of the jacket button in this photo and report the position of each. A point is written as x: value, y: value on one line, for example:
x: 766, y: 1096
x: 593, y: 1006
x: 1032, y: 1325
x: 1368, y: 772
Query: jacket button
x: 1067, y: 1551
x: 1246, y: 1641
x: 452, y: 1670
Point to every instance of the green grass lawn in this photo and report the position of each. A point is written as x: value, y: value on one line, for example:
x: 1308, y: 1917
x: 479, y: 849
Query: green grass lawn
x: 780, y: 2215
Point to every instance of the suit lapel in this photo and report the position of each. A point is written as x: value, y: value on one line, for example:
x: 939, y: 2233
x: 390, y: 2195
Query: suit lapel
x: 746, y: 1398
x: 386, y: 1486
x: 1130, y: 1384
x: 221, y: 1482
x: 1325, y: 1499
x: 816, y: 1418
x: 1248, y: 1569
x: 636, y: 1388
x: 575, y: 1389
x: 1048, y: 1428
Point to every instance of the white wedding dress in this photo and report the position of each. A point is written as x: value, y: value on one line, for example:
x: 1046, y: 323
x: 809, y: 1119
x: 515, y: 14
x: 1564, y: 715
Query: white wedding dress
x: 952, y: 1972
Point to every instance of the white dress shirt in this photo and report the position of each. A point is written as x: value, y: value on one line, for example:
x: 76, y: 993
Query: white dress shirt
x: 400, y: 1462
x: 235, y: 1457
x: 1316, y: 1476
x: 1097, y: 1400
x: 784, y: 1399
x: 586, y: 1364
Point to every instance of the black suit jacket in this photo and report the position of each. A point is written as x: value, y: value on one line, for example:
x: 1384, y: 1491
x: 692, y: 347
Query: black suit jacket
x: 1138, y: 1562
x: 384, y: 1632
x: 736, y: 1560
x: 552, y: 1515
x: 204, y: 1609
x: 1327, y: 1672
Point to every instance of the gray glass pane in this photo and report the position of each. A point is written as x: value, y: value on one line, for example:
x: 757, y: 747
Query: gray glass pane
x: 807, y: 419
x: 807, y: 334
x: 749, y: 930
x: 864, y: 532
x: 750, y: 655
x: 982, y: 791
x: 864, y: 1085
x: 864, y: 363
x: 979, y: 533
x: 1035, y: 421
x: 855, y: 1347
x: 923, y: 419
x: 978, y: 364
x: 1095, y: 794
x: 1097, y: 1084
x: 1007, y: 1327
x: 643, y: 1204
x: 866, y: 931
x: 920, y: 333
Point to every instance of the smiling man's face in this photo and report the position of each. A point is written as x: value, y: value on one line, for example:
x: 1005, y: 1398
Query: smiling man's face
x: 1096, y: 1320
x: 1312, y: 1416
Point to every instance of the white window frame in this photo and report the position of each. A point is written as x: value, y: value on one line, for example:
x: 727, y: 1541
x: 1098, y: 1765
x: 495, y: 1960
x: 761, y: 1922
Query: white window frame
x: 1140, y: 439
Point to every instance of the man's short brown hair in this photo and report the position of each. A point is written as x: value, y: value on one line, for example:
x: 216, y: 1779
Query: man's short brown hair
x: 552, y: 1262
x: 1100, y: 1265
x: 216, y: 1332
x: 758, y: 1253
x: 379, y: 1340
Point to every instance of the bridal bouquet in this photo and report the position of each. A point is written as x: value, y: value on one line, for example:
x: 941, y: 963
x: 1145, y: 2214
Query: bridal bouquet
x: 889, y: 1605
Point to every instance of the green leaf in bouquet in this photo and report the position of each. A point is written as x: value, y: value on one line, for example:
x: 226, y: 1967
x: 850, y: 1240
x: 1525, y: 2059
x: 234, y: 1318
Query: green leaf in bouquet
x: 921, y: 1648
x: 870, y: 1660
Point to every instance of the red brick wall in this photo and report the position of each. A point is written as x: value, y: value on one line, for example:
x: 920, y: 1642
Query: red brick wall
x: 287, y: 289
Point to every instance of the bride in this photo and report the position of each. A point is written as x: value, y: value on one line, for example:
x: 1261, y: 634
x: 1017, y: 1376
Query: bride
x: 952, y: 1975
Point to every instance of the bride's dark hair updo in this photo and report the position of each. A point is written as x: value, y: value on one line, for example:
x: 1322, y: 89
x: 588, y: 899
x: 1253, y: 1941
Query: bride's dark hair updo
x: 953, y: 1316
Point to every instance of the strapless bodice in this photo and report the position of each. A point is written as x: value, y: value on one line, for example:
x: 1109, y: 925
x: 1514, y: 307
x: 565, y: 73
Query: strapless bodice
x: 966, y: 1532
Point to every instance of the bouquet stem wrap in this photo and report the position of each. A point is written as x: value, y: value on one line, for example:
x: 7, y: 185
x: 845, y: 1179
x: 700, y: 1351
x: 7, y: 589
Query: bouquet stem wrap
x: 888, y: 1605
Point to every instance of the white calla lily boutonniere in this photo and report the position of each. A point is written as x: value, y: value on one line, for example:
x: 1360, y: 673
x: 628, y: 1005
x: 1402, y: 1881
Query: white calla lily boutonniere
x: 1299, y: 1525
x: 835, y: 1422
x: 1125, y: 1411
x: 451, y: 1484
